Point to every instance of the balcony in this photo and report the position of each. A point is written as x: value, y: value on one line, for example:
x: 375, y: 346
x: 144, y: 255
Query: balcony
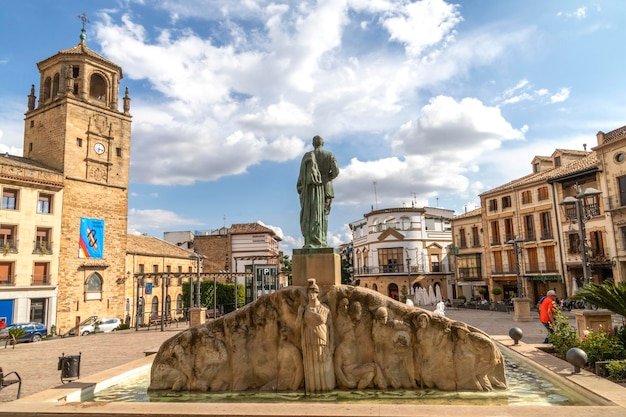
x: 495, y: 241
x: 7, y: 280
x: 470, y: 274
x: 546, y: 234
x: 10, y: 246
x: 435, y: 267
x: 504, y: 270
x: 43, y: 247
x: 529, y: 236
x: 541, y: 267
x: 40, y: 280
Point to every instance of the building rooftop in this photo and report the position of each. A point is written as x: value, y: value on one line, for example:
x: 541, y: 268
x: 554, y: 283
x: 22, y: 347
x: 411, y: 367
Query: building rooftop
x: 152, y: 246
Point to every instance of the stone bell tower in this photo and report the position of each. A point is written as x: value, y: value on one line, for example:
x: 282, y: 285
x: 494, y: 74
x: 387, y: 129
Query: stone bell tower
x: 78, y: 129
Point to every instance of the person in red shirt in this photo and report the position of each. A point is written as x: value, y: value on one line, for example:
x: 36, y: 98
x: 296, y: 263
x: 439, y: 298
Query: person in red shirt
x: 547, y: 312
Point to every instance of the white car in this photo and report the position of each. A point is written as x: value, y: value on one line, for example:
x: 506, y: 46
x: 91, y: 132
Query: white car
x: 100, y: 324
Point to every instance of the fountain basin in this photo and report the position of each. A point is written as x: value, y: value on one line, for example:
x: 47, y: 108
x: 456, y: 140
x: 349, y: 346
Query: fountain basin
x: 608, y: 399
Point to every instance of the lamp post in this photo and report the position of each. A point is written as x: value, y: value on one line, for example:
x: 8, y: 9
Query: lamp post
x: 517, y: 249
x: 139, y: 308
x: 585, y: 209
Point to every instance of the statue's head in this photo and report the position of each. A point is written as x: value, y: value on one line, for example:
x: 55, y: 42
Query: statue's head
x: 312, y: 287
x: 318, y: 141
x: 381, y: 314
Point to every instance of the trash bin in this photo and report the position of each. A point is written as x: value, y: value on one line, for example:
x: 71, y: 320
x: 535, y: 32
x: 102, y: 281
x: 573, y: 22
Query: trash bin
x: 69, y: 367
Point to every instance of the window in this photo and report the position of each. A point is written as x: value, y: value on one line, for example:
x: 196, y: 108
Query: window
x: 42, y: 241
x: 557, y: 161
x: 155, y: 268
x: 533, y: 261
x: 493, y: 205
x: 168, y: 305
x: 97, y: 87
x: 597, y: 244
x: 536, y: 167
x: 9, y: 199
x: 8, y: 238
x: 509, y: 234
x: 497, y: 263
x: 93, y: 287
x: 390, y: 260
x: 141, y: 268
x: 40, y: 274
x: 546, y: 225
x: 118, y: 151
x: 406, y: 223
x: 510, y: 258
x: 623, y: 230
x: 470, y: 267
x: 6, y: 273
x: 30, y: 147
x: 529, y: 227
x: 542, y: 193
x: 462, y: 239
x: 621, y: 181
x: 548, y: 253
x: 430, y: 224
x: 179, y: 304
x: 435, y: 265
x: 495, y: 233
x: 44, y: 204
x: 506, y: 201
x: 527, y: 197
x: 155, y: 307
x: 475, y: 237
x: 573, y: 243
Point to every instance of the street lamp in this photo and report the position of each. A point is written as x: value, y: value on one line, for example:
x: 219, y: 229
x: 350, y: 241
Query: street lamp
x: 517, y: 250
x: 584, y: 208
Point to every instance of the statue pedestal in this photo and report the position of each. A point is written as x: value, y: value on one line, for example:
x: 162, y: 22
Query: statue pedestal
x: 197, y: 316
x: 521, y: 309
x: 323, y: 264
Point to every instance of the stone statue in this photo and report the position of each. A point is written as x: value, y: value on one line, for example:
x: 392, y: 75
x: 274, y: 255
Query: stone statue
x: 317, y: 171
x: 317, y: 343
x: 285, y: 341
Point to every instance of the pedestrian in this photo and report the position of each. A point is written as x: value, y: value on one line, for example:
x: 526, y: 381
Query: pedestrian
x: 547, y: 312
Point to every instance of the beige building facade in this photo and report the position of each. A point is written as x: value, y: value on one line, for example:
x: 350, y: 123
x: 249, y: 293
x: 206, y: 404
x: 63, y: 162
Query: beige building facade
x: 77, y: 129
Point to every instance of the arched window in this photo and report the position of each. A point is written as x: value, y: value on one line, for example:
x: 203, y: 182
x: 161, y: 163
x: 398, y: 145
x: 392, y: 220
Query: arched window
x: 392, y: 292
x: 155, y: 307
x: 390, y: 223
x: 179, y: 303
x: 140, y: 311
x: 55, y: 86
x: 98, y: 88
x: 47, y: 88
x: 375, y: 287
x: 168, y: 305
x: 93, y: 287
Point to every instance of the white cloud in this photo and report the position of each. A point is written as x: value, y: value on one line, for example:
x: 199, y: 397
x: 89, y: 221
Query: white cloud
x: 155, y: 219
x: 561, y: 96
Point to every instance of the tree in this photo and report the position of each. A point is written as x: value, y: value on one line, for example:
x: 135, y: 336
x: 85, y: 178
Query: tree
x: 286, y: 267
x: 607, y: 295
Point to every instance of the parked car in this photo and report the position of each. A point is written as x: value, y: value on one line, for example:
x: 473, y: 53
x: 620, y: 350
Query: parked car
x: 99, y: 324
x: 33, y: 332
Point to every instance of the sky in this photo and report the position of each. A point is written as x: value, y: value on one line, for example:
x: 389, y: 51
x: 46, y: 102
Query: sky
x: 422, y: 102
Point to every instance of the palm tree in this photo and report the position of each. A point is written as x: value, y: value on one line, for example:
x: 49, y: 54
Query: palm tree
x: 607, y: 295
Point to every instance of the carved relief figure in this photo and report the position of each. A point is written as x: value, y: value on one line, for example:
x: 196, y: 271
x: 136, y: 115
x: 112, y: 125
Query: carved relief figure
x: 315, y: 322
x: 433, y: 348
x: 392, y: 350
x: 289, y: 365
x: 350, y: 373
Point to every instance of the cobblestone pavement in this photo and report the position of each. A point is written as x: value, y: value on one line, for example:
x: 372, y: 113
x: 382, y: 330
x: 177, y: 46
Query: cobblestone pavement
x: 37, y: 362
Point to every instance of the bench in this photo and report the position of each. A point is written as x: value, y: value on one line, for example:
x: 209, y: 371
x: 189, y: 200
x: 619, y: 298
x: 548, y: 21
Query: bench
x: 156, y: 321
x: 4, y: 382
x: 213, y: 313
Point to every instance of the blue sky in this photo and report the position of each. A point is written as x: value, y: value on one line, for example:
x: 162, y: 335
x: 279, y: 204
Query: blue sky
x: 435, y: 102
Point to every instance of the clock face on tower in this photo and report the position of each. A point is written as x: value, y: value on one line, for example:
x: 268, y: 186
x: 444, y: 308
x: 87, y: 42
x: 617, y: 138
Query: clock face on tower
x: 99, y: 148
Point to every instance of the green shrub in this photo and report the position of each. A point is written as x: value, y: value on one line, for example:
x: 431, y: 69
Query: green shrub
x: 496, y: 290
x: 123, y: 326
x: 462, y: 297
x: 616, y: 369
x: 564, y: 336
x: 601, y: 345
